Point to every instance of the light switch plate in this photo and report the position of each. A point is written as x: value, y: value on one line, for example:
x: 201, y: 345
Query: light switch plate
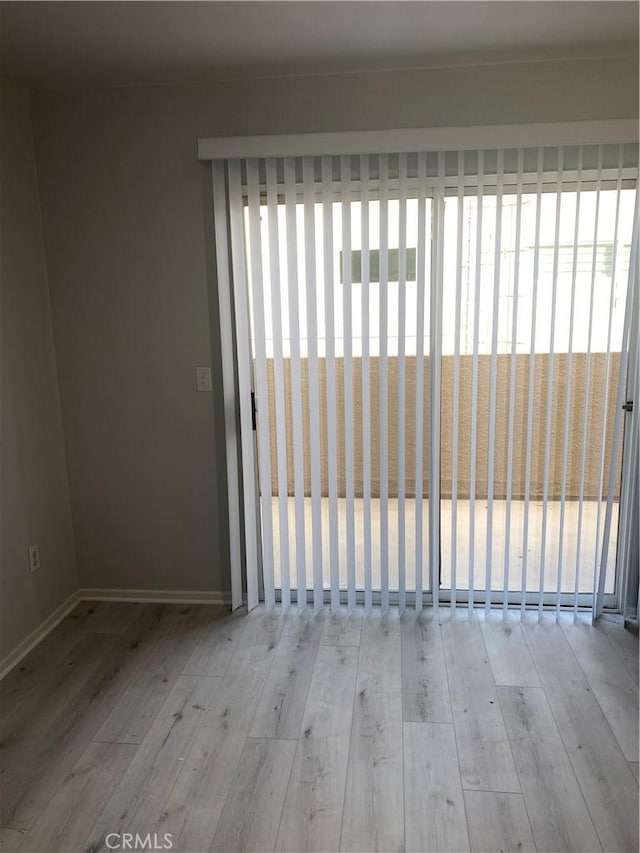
x: 203, y: 378
x: 34, y: 557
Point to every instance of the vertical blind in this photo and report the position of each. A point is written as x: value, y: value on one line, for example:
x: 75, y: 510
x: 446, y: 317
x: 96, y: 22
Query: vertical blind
x: 436, y: 344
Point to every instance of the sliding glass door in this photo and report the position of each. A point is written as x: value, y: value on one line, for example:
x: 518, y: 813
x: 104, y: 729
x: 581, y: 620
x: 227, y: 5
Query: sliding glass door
x: 536, y: 278
x: 430, y: 348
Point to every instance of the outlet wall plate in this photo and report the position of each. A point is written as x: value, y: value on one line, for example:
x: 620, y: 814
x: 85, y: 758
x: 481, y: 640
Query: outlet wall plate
x: 203, y: 378
x: 34, y: 557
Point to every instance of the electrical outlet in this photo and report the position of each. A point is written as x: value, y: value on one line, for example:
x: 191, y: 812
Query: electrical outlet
x: 34, y: 557
x: 203, y: 378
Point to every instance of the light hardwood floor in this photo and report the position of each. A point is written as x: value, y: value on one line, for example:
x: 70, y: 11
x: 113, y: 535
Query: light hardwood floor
x: 348, y: 731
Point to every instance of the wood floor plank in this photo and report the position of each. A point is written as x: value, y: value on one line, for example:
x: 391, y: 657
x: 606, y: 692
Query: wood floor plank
x: 81, y: 798
x: 172, y: 638
x: 251, y: 814
x: 112, y: 617
x: 600, y: 767
x: 137, y: 802
x: 192, y: 809
x: 67, y: 632
x: 425, y: 690
x: 40, y: 742
x: 433, y: 803
x: 264, y: 627
x: 346, y: 785
x: 374, y: 803
x: 509, y: 655
x: 625, y: 642
x: 46, y: 749
x: 607, y: 675
x: 17, y: 685
x: 342, y: 628
x: 46, y: 672
x: 486, y: 762
x: 38, y: 668
x: 380, y: 661
x: 221, y: 632
x: 559, y: 818
x: 498, y: 822
x: 281, y: 706
x: 312, y: 813
x: 11, y: 839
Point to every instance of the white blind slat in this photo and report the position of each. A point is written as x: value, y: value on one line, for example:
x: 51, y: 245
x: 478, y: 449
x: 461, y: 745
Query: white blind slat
x: 296, y: 380
x: 402, y: 309
x: 493, y: 379
x: 567, y: 410
x: 332, y: 424
x: 264, y: 448
x: 474, y: 381
x: 279, y: 383
x: 456, y: 383
x: 512, y: 386
x: 221, y: 225
x: 384, y: 389
x: 240, y: 286
x: 314, y: 385
x: 601, y: 560
x: 532, y: 377
x: 366, y: 387
x: 549, y: 398
x: 345, y: 168
x: 435, y: 331
x: 585, y: 409
x: 421, y: 284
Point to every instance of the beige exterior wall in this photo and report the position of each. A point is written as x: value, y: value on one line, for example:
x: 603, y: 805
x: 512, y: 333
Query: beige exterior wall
x: 595, y: 404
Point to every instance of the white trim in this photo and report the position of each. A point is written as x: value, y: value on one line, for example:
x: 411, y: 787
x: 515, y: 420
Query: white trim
x: 14, y: 657
x: 166, y: 596
x: 419, y: 139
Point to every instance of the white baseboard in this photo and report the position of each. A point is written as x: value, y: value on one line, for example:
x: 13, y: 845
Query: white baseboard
x: 14, y: 657
x: 169, y: 596
x: 172, y: 596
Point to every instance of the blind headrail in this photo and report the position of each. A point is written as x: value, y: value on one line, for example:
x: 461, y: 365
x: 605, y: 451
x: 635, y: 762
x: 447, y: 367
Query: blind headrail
x: 420, y: 139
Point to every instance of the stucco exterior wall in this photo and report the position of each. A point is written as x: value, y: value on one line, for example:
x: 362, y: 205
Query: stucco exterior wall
x: 596, y: 407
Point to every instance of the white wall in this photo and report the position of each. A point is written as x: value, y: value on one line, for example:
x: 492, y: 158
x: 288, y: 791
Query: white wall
x: 124, y: 203
x: 34, y: 493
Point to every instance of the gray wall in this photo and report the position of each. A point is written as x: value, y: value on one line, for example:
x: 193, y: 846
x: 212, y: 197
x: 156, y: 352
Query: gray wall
x: 34, y: 492
x: 124, y: 203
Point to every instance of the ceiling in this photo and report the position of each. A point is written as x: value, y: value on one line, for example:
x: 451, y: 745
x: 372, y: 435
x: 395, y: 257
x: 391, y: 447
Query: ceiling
x: 99, y: 44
